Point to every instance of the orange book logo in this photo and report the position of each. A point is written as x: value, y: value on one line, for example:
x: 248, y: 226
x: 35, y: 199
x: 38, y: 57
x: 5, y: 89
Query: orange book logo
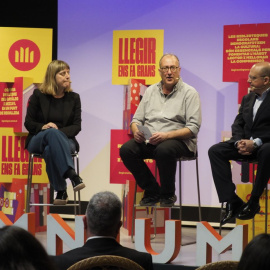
x: 24, y: 54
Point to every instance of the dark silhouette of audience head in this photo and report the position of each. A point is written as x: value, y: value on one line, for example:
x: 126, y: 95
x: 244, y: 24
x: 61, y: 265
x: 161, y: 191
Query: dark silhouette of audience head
x: 20, y: 250
x: 103, y: 215
x: 256, y: 255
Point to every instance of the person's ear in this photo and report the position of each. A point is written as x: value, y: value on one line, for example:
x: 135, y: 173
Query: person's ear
x: 160, y: 72
x: 119, y: 226
x: 266, y: 79
x: 85, y: 222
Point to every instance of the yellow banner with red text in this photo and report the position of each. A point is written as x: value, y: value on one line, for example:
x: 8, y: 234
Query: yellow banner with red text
x: 136, y: 54
x: 14, y: 158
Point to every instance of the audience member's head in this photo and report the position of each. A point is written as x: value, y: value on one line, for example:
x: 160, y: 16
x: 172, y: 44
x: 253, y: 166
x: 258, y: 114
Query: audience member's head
x: 256, y: 255
x: 20, y: 250
x: 103, y: 214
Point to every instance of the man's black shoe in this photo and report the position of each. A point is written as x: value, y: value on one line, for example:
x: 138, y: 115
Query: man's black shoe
x: 168, y: 202
x: 149, y: 200
x: 232, y: 209
x: 77, y: 183
x: 61, y: 198
x: 248, y: 210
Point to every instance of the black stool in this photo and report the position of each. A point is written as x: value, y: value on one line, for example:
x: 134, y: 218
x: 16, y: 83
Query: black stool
x: 180, y: 160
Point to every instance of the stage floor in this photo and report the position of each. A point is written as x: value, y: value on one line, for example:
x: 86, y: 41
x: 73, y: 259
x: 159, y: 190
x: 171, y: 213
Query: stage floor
x: 186, y: 256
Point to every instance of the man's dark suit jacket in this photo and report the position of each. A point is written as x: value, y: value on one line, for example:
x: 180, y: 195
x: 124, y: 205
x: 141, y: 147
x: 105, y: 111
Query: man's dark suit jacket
x: 38, y: 112
x: 102, y: 246
x: 244, y: 127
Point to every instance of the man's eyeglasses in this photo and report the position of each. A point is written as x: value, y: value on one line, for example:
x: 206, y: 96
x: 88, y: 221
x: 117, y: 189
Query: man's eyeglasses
x: 166, y: 69
x: 253, y: 78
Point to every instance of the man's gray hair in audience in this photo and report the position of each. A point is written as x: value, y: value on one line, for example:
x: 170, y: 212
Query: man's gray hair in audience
x: 103, y: 214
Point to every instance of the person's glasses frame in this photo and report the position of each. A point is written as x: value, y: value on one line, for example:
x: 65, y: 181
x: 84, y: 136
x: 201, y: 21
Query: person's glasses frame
x: 166, y: 69
x: 253, y: 78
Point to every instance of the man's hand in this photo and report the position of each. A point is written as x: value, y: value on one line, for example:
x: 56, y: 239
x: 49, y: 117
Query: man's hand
x: 245, y: 147
x: 158, y: 137
x: 50, y: 125
x: 138, y: 136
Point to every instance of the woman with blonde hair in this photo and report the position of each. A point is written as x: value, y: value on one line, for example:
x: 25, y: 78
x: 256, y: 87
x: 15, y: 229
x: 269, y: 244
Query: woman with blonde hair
x: 53, y: 119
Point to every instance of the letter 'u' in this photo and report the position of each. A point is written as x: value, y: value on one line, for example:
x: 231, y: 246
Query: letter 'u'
x: 172, y: 239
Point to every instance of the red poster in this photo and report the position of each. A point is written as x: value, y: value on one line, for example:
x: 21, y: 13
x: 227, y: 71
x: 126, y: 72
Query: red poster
x: 119, y: 174
x: 244, y: 45
x: 11, y: 104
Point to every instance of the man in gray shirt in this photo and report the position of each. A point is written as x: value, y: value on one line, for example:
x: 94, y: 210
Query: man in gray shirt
x: 172, y: 112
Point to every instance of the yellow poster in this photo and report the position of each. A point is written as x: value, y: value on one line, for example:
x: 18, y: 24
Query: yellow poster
x: 25, y: 52
x: 136, y: 54
x: 14, y: 158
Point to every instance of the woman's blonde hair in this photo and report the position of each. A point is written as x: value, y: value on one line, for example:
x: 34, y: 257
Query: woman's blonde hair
x: 49, y: 85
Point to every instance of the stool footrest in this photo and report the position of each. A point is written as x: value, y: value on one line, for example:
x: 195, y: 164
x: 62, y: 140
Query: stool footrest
x: 157, y: 206
x: 50, y: 204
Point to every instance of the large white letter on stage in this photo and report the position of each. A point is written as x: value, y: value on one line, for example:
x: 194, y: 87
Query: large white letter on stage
x: 208, y: 238
x: 26, y: 221
x: 172, y: 239
x: 58, y: 232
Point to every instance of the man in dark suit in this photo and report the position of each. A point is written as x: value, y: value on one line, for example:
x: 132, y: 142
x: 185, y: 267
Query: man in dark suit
x: 102, y: 222
x: 250, y: 140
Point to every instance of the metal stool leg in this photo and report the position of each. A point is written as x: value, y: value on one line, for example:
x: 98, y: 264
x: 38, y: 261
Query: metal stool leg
x: 221, y: 210
x: 266, y: 207
x: 198, y: 189
x: 79, y: 199
x: 180, y: 199
x: 253, y: 220
x: 266, y: 204
x: 123, y: 202
x: 29, y: 182
x: 180, y: 190
x: 133, y: 215
x: 76, y: 156
x: 75, y: 208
